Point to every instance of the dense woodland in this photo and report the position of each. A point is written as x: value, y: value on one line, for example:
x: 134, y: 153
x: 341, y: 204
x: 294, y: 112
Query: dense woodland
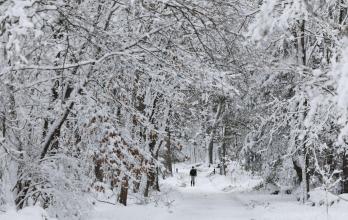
x: 100, y: 95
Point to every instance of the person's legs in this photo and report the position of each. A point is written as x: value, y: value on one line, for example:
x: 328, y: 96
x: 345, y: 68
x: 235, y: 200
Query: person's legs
x: 192, y: 180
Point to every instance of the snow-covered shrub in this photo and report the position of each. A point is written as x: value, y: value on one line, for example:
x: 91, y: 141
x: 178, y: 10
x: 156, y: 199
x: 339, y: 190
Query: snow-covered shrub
x: 32, y: 213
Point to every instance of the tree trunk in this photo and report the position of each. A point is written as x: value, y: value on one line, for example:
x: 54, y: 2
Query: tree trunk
x: 3, y: 125
x: 345, y: 172
x: 151, y: 180
x: 156, y: 186
x: 298, y: 170
x: 22, y: 185
x: 217, y: 117
x: 305, y: 175
x: 210, y: 149
x: 304, y: 151
x: 147, y: 188
x: 223, y: 153
x: 343, y: 12
x: 169, y: 154
x: 124, y: 192
x: 223, y: 159
x: 303, y: 43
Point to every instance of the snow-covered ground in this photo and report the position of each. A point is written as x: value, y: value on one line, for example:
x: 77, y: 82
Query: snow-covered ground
x: 214, y: 197
x: 217, y: 197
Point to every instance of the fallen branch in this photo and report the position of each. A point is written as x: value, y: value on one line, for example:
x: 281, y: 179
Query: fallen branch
x: 106, y: 202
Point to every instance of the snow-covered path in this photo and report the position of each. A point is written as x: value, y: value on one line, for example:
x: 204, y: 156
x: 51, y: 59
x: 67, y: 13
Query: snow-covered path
x: 207, y: 200
x: 210, y: 206
x: 215, y: 197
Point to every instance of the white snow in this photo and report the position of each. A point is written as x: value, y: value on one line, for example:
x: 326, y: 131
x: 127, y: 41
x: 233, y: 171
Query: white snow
x: 214, y: 197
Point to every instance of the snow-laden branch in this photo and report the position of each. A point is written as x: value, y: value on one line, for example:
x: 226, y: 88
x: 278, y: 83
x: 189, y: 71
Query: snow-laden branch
x: 122, y: 51
x: 69, y: 66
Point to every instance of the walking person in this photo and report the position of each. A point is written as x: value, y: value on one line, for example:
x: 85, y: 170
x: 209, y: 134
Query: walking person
x: 193, y: 174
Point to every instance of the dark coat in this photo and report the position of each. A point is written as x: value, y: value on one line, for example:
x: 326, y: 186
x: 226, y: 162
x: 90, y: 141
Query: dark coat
x: 193, y: 172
